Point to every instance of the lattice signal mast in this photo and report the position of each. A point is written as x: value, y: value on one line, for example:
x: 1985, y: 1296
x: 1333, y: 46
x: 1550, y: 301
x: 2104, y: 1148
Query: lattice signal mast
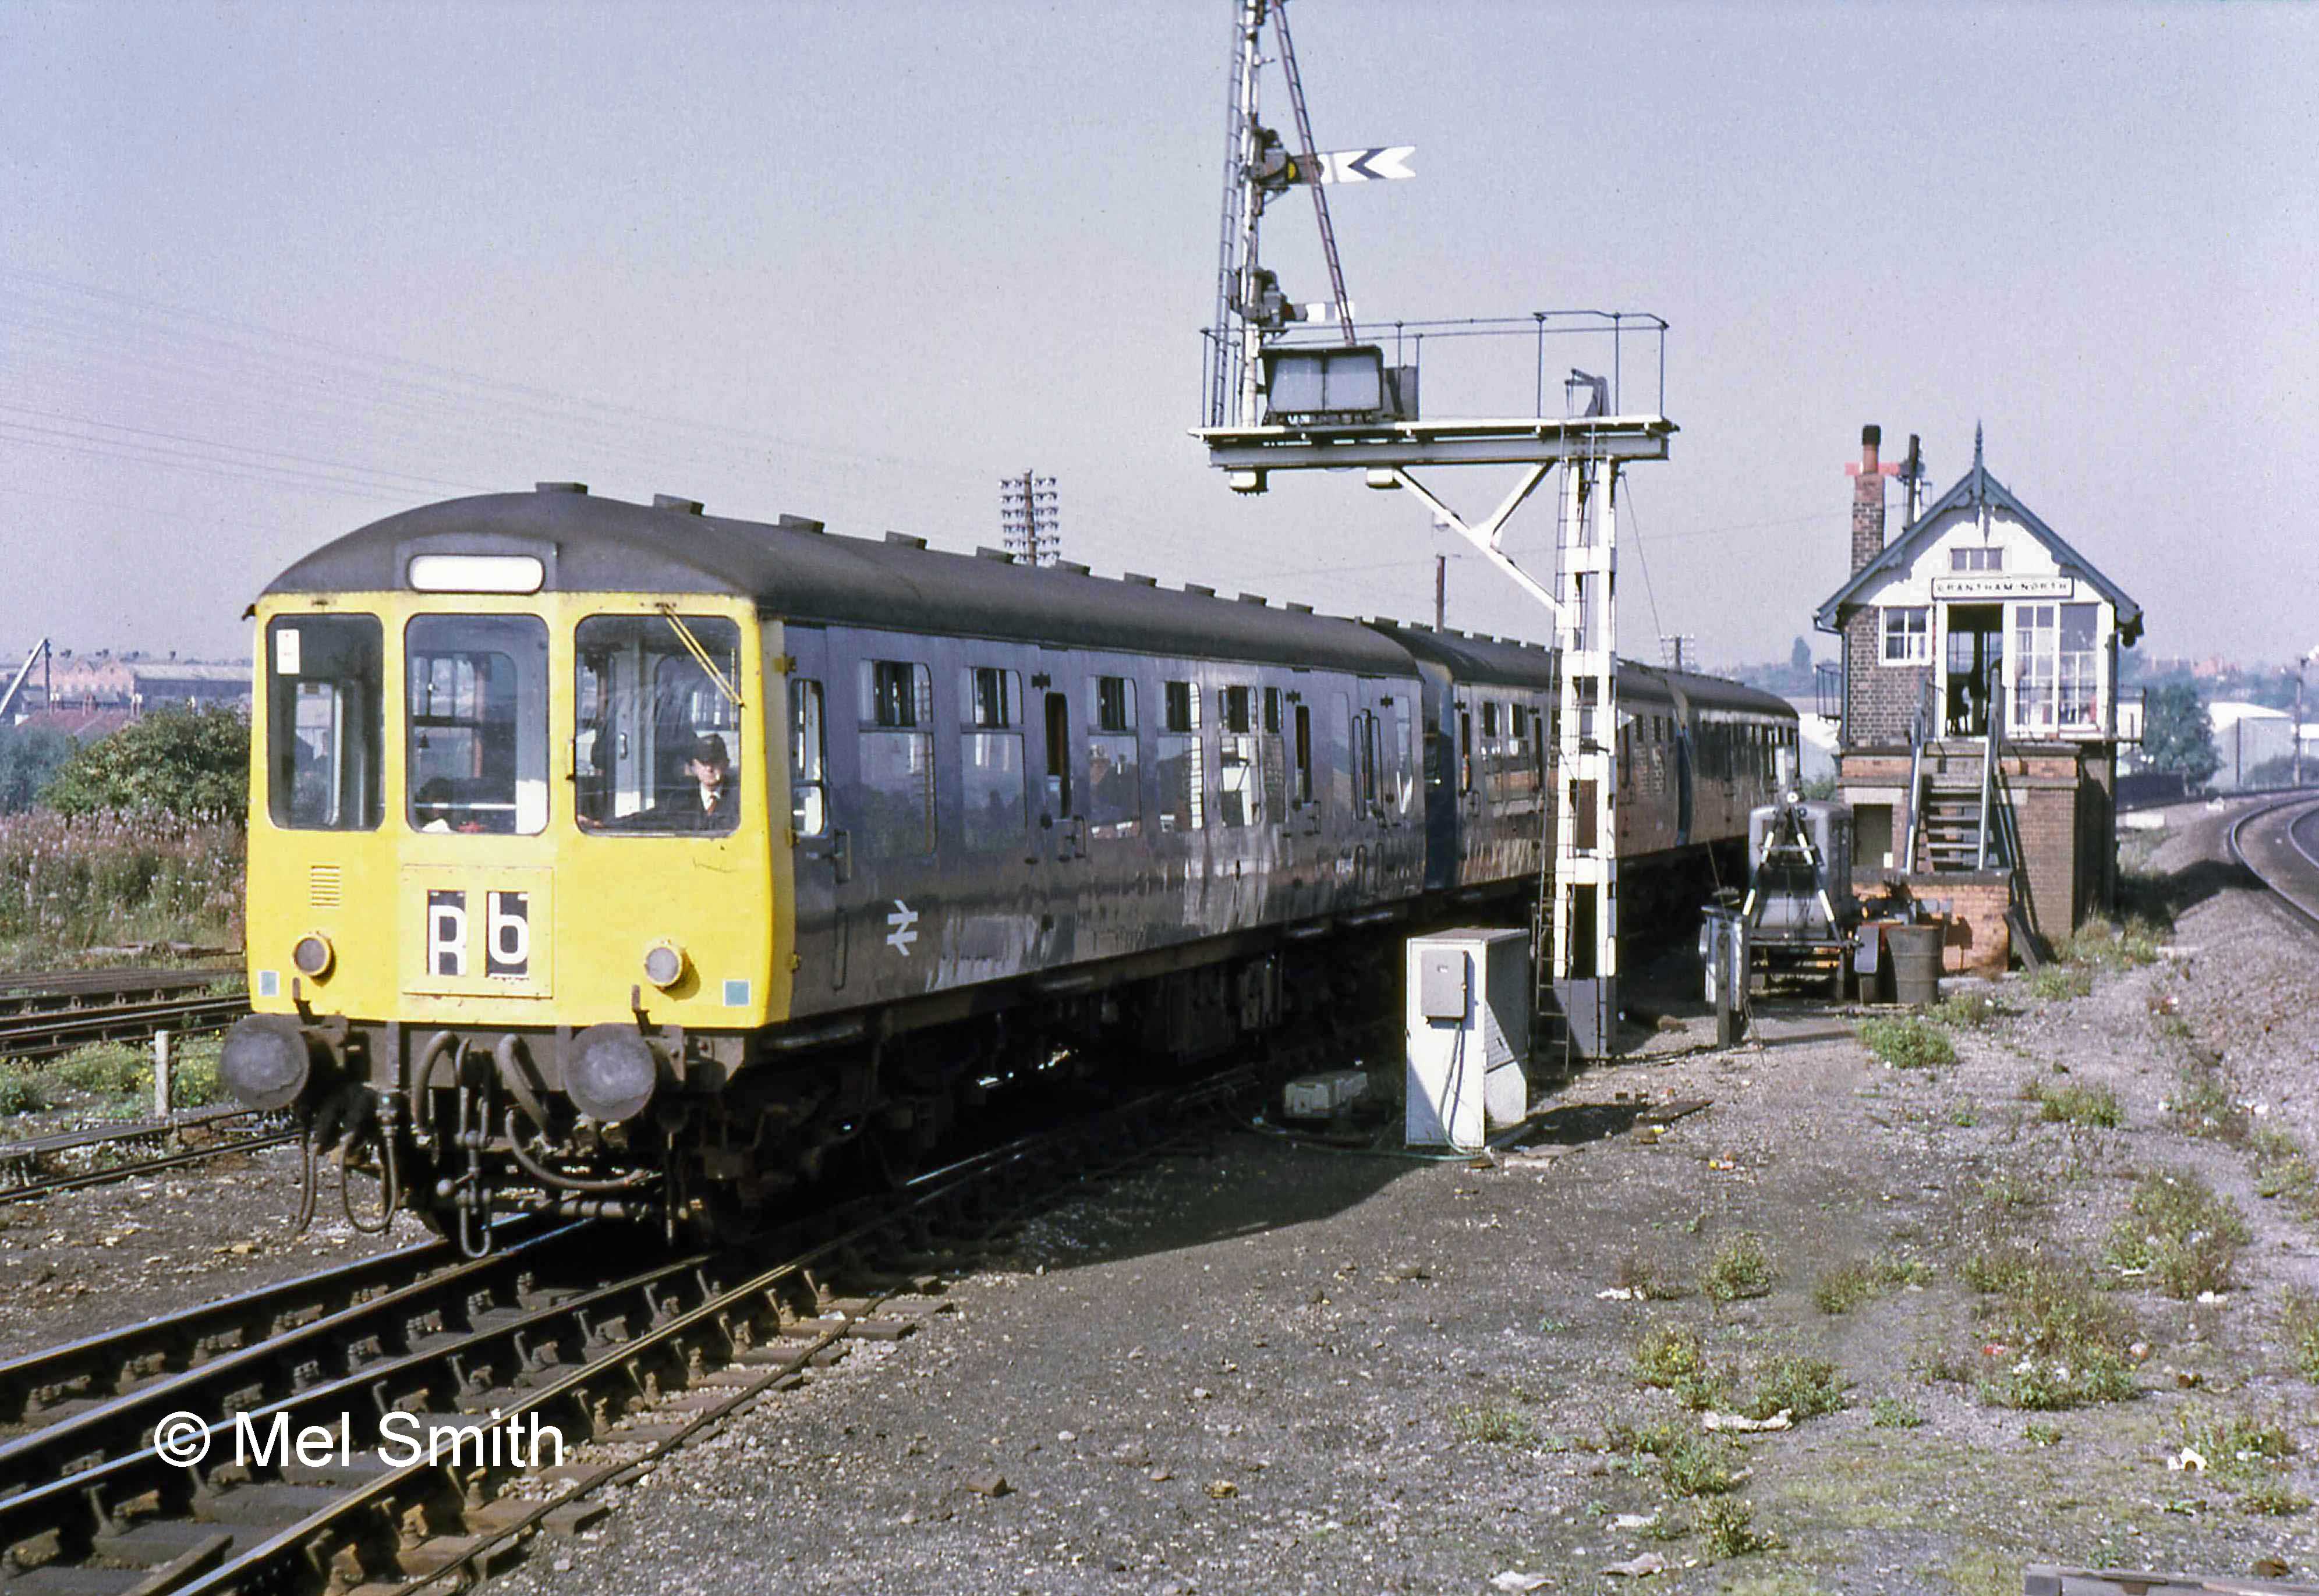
x: 1284, y: 392
x: 1030, y: 518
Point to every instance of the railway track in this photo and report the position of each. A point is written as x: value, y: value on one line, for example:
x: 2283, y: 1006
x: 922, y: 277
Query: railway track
x: 2278, y: 844
x: 26, y: 1166
x: 43, y: 1026
x: 620, y: 1347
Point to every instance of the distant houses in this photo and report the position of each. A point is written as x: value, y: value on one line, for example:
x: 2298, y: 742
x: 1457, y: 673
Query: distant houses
x: 94, y: 695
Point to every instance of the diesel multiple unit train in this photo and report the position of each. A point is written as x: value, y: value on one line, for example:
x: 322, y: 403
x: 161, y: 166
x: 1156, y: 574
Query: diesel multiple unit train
x: 617, y: 859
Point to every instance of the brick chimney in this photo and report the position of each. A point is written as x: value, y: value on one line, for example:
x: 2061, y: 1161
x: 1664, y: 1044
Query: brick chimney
x: 1868, y: 500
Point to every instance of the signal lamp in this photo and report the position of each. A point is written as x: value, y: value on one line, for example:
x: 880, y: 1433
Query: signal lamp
x: 313, y: 955
x: 665, y: 964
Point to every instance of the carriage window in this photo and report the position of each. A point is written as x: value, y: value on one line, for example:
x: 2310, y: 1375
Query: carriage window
x: 325, y: 722
x: 1304, y: 755
x: 1398, y: 786
x: 990, y: 758
x: 1114, y: 703
x: 477, y: 760
x: 658, y: 743
x: 1272, y: 710
x: 895, y: 694
x: 1183, y: 799
x: 808, y: 760
x: 896, y: 790
x: 988, y: 698
x: 1240, y: 776
x: 1233, y: 703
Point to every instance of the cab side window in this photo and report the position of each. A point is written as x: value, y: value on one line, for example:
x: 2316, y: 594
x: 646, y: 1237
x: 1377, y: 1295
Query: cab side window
x: 808, y: 760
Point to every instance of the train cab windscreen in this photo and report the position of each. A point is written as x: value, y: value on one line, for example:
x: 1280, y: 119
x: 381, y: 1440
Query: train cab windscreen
x: 657, y: 744
x: 325, y: 722
x: 477, y: 760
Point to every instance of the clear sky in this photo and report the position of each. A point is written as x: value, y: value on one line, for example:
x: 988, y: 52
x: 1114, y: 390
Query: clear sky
x: 270, y: 271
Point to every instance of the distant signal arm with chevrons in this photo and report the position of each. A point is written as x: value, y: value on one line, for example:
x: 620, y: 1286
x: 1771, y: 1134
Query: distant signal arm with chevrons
x: 1387, y: 165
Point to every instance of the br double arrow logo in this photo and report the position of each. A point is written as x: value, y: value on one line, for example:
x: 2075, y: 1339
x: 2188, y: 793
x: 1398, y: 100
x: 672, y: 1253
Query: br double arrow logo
x: 905, y: 923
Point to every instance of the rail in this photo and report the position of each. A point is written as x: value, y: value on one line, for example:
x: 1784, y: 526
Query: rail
x: 2300, y: 898
x: 535, y: 1331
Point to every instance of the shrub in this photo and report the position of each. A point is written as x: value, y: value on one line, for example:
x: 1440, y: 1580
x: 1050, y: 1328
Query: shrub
x: 190, y: 763
x: 1892, y: 1412
x: 2103, y: 944
x: 1731, y: 1532
x: 1494, y: 1423
x: 106, y: 1069
x: 1844, y: 1289
x: 2205, y: 1106
x: 1969, y: 1009
x: 2072, y: 1341
x: 21, y: 1093
x: 2180, y: 1233
x: 1908, y: 1042
x: 2058, y: 983
x: 1740, y: 1267
x: 2073, y: 1105
x: 114, y: 878
x: 1668, y: 1353
x: 1802, y: 1387
x: 2299, y: 1328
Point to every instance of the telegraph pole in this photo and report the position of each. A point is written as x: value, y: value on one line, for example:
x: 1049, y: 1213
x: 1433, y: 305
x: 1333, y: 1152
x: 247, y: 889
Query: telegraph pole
x: 1030, y: 518
x: 1442, y: 592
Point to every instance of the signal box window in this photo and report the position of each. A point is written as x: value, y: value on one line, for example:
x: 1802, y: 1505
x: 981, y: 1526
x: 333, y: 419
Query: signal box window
x: 990, y: 759
x: 1183, y: 803
x: 477, y: 760
x: 1114, y: 770
x: 1907, y: 636
x: 808, y: 760
x: 1974, y: 558
x: 896, y: 758
x: 325, y: 722
x: 658, y: 738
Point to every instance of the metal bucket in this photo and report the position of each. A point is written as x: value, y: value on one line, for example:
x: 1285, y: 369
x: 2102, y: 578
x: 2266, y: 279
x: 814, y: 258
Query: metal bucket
x: 1916, y: 952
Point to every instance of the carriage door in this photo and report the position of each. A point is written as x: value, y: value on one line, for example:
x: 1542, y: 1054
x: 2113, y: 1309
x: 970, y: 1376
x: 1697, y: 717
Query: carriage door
x: 822, y: 852
x: 1058, y: 814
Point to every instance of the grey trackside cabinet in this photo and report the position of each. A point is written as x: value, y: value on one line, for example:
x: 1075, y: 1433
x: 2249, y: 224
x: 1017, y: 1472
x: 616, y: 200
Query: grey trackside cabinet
x: 1469, y: 1027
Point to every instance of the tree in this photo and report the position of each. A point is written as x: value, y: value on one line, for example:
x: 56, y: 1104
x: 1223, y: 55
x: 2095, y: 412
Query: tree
x: 2177, y: 735
x: 1799, y: 658
x: 29, y: 759
x: 184, y: 761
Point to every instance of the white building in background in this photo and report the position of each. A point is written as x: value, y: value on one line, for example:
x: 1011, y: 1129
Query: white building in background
x: 2249, y: 736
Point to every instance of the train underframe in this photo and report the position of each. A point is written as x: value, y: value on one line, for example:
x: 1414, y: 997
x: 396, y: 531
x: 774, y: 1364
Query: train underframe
x: 467, y: 1125
x: 707, y: 1132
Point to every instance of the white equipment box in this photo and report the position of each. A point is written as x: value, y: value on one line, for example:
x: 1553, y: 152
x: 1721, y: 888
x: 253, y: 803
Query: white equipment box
x: 1470, y: 1012
x: 1318, y: 1097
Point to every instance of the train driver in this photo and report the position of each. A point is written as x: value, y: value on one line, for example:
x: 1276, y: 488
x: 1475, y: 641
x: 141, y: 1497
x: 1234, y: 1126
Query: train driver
x: 707, y: 800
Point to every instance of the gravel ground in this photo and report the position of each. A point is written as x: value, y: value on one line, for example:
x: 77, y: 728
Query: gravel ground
x: 79, y: 1262
x: 1260, y: 1366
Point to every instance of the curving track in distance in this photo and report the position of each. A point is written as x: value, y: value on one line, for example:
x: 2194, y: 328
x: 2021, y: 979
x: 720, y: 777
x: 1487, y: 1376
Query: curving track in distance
x: 2278, y: 845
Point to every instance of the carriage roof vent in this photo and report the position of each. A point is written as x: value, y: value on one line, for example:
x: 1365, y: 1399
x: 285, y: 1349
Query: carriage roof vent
x: 1073, y: 566
x: 1202, y: 589
x: 1140, y: 580
x: 1252, y: 599
x: 1302, y: 608
x: 559, y: 487
x: 684, y: 507
x: 904, y: 540
x: 797, y: 524
x: 987, y: 553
